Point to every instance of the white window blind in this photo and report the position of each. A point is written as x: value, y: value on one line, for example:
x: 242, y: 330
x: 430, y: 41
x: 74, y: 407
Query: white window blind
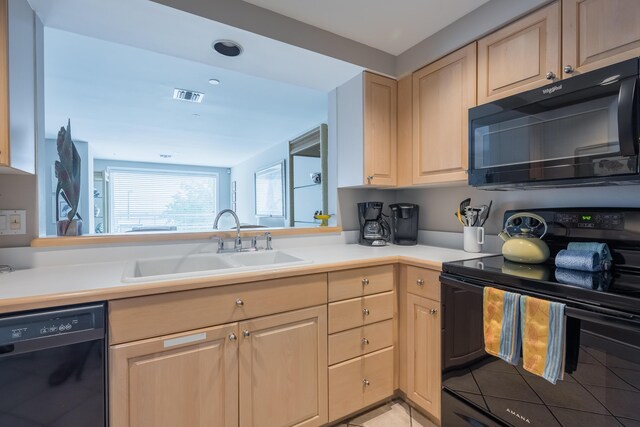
x: 143, y: 200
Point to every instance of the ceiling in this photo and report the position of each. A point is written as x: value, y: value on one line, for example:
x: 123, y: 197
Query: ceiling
x: 119, y: 99
x: 392, y: 27
x: 114, y: 78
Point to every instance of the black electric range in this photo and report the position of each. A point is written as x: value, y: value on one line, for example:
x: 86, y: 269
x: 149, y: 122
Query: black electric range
x: 602, y: 376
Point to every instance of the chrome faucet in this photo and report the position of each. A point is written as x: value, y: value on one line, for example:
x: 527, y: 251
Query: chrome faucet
x: 238, y: 243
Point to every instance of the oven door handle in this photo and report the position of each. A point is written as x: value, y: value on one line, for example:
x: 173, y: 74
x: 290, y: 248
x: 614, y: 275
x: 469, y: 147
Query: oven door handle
x: 627, y: 123
x: 577, y: 309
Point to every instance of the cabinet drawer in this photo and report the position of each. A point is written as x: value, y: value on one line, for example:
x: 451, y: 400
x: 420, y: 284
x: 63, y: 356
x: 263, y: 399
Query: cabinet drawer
x: 356, y: 312
x: 423, y: 282
x: 359, y: 341
x: 360, y: 282
x: 360, y: 382
x: 144, y: 317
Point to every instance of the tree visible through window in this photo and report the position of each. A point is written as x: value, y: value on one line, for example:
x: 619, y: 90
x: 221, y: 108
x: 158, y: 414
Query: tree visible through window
x: 144, y: 200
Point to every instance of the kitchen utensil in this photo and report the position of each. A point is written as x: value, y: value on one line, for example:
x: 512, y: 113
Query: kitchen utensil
x: 484, y: 215
x: 524, y: 247
x: 464, y: 205
x: 459, y: 217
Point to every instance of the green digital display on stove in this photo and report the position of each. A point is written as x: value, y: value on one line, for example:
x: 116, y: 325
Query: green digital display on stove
x: 587, y: 217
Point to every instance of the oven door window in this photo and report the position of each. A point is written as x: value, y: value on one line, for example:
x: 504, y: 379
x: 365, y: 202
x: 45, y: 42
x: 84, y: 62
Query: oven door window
x: 602, y: 376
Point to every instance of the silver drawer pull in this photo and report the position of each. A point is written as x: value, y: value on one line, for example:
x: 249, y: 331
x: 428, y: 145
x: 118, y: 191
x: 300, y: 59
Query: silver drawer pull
x: 232, y: 337
x: 365, y: 341
x: 420, y: 282
x: 246, y: 333
x: 366, y: 382
x: 172, y: 342
x: 551, y: 75
x: 365, y: 312
x: 433, y: 311
x: 239, y: 303
x: 365, y: 281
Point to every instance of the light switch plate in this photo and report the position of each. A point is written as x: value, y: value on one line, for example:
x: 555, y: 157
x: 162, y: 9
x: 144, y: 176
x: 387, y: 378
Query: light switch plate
x: 13, y: 222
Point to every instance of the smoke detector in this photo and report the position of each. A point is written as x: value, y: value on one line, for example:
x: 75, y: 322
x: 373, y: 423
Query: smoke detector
x: 188, y: 95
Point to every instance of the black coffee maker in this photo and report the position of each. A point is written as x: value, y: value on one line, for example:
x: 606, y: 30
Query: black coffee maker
x: 404, y: 223
x: 374, y: 229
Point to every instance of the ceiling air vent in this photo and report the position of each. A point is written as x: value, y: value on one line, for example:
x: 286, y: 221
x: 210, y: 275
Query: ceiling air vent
x: 188, y: 95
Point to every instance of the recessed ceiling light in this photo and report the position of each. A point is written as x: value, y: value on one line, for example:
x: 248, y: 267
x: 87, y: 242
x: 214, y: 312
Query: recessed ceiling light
x: 214, y: 82
x: 227, y: 47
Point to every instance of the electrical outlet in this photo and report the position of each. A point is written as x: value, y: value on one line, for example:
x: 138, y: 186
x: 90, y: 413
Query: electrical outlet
x: 13, y: 222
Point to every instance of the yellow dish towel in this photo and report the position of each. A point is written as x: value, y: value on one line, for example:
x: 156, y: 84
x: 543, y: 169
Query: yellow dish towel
x: 500, y: 314
x: 543, y: 338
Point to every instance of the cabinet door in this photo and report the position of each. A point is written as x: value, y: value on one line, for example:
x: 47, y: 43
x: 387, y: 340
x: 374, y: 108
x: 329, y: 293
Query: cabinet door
x: 283, y: 369
x: 596, y: 33
x: 423, y: 353
x: 178, y: 380
x: 380, y: 130
x: 443, y: 92
x: 519, y: 56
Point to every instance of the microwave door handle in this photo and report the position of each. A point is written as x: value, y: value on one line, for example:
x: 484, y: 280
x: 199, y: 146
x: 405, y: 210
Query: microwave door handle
x: 627, y: 124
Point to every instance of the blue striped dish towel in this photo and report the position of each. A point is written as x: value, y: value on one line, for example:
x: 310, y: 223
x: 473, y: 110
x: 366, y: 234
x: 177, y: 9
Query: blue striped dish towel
x: 501, y: 313
x: 543, y: 338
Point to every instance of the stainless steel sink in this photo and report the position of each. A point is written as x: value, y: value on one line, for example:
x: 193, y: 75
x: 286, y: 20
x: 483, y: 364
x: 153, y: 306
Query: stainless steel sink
x: 206, y: 264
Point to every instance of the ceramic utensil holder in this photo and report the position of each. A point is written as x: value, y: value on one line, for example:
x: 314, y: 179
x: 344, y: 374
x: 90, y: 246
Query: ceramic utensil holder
x: 473, y: 239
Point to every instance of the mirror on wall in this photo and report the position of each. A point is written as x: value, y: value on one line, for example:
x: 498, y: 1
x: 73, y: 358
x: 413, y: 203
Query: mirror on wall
x: 168, y: 140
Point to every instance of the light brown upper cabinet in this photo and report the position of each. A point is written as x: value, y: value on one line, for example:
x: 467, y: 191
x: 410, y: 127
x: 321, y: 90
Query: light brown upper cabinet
x: 443, y: 92
x: 597, y: 33
x: 521, y: 56
x: 366, y: 121
x: 19, y: 30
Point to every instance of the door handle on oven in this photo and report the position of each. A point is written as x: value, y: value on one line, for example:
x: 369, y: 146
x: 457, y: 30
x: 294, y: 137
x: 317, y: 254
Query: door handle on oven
x: 627, y: 125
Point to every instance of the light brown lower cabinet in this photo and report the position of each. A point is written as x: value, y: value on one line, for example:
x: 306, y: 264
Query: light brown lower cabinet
x: 188, y: 379
x: 283, y: 365
x: 423, y: 353
x: 360, y: 382
x: 269, y: 371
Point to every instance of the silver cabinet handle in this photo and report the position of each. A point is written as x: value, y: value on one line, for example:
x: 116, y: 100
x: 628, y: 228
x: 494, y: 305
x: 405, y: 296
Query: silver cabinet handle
x: 370, y: 178
x: 433, y: 311
x: 246, y: 333
x: 366, y: 312
x: 366, y: 382
x: 232, y: 337
x: 551, y: 75
x: 239, y: 303
x: 568, y: 69
x: 365, y: 341
x: 365, y: 281
x: 420, y: 282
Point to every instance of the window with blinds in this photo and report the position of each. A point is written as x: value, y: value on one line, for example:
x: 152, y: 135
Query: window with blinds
x: 145, y: 200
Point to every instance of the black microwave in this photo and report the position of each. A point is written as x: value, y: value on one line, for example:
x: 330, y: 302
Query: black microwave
x: 579, y: 131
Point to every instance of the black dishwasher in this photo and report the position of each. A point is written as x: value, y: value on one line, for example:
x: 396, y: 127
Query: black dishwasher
x: 52, y: 368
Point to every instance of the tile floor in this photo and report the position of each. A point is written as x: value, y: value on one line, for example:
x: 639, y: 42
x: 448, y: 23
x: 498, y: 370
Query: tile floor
x: 393, y: 414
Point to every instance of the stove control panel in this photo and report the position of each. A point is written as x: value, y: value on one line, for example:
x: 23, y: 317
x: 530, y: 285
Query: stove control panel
x: 588, y: 219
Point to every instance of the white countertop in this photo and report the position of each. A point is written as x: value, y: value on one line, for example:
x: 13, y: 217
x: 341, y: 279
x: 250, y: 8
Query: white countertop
x: 66, y: 284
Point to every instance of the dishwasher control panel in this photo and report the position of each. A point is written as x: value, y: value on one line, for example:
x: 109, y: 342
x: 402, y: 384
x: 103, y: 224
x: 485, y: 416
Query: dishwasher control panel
x: 14, y: 330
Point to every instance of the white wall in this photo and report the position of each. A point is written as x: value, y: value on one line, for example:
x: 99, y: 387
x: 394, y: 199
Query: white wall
x: 243, y: 174
x: 438, y: 204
